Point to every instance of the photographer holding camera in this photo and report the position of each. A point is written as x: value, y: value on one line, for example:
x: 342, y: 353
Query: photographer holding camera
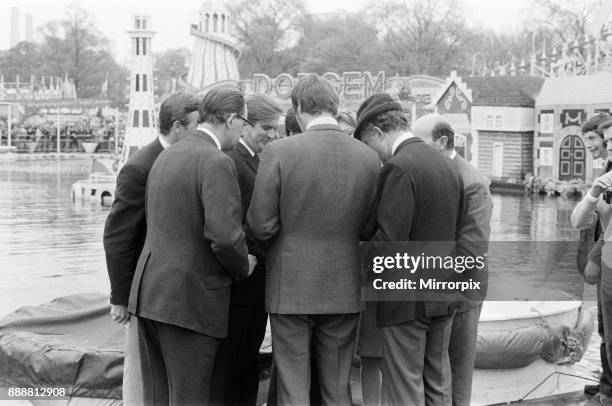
x: 596, y: 207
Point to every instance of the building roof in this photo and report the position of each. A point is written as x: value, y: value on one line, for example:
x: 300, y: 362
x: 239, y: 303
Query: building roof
x: 499, y: 91
x: 576, y: 90
x: 505, y: 91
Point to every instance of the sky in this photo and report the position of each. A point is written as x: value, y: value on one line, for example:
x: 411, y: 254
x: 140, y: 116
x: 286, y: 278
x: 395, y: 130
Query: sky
x: 171, y: 19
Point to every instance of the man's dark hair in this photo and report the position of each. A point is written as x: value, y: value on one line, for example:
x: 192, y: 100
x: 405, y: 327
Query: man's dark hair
x: 593, y: 123
x: 261, y: 108
x: 441, y: 129
x: 176, y: 108
x: 314, y: 95
x: 389, y: 121
x: 291, y: 124
x: 219, y: 103
x: 347, y: 117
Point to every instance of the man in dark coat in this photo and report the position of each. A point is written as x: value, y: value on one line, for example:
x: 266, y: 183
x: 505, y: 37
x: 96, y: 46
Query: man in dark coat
x: 236, y: 373
x: 125, y: 229
x: 420, y: 198
x: 314, y: 193
x: 474, y: 234
x: 195, y: 244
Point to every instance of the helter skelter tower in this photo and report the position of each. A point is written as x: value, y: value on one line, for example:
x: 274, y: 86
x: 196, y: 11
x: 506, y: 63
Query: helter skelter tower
x: 141, y: 126
x: 215, y: 53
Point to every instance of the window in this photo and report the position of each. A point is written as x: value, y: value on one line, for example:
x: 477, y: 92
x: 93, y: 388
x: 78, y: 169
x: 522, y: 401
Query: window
x: 498, y: 121
x: 144, y: 46
x: 144, y: 82
x: 137, y: 82
x: 137, y: 46
x: 137, y: 23
x: 135, y: 123
x: 546, y: 156
x: 546, y: 123
x: 144, y: 24
x: 489, y: 121
x: 145, y: 118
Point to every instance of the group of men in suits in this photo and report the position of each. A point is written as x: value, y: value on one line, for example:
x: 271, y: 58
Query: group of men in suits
x: 239, y: 228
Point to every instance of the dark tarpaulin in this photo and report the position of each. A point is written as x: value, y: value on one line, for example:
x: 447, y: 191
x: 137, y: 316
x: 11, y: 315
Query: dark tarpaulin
x: 70, y: 342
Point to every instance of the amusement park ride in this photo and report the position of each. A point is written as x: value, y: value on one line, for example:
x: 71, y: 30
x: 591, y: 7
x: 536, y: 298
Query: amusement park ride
x: 590, y: 56
x: 214, y: 64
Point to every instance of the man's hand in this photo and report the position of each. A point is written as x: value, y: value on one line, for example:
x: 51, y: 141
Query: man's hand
x: 601, y: 183
x: 252, y: 263
x: 120, y: 313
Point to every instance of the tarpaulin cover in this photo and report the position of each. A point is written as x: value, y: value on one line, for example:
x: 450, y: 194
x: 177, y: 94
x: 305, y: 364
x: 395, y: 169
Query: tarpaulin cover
x: 509, y: 349
x: 70, y: 342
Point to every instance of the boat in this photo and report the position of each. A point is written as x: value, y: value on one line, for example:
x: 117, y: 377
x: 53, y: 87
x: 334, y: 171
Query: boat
x: 540, y: 343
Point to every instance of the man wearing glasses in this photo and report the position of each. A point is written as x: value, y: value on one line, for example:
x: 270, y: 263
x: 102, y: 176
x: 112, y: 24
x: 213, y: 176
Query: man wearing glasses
x: 236, y: 373
x: 195, y: 246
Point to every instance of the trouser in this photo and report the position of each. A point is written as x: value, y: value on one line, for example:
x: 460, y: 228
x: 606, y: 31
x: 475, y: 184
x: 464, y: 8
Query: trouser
x: 315, y: 393
x: 236, y: 372
x: 604, y: 321
x: 132, y: 375
x: 462, y: 353
x: 176, y: 364
x: 333, y: 339
x: 416, y: 366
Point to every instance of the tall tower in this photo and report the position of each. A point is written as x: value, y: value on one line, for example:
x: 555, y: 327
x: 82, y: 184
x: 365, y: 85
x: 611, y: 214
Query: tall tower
x: 29, y: 32
x: 141, y: 126
x: 215, y: 52
x: 15, y: 37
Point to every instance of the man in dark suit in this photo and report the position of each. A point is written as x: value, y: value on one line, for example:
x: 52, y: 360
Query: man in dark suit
x: 236, y: 373
x: 420, y: 199
x: 125, y: 229
x: 474, y: 234
x: 313, y: 195
x: 194, y: 245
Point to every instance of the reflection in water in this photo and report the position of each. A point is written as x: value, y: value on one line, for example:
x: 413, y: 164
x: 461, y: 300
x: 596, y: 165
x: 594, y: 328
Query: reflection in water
x: 50, y: 247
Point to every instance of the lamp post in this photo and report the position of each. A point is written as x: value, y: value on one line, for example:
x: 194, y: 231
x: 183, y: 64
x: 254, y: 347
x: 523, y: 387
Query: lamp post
x: 58, y: 132
x: 8, y: 121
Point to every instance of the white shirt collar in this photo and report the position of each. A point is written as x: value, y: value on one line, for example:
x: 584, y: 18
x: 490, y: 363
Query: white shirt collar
x: 247, y: 147
x: 399, y: 140
x: 453, y: 154
x: 322, y: 120
x: 212, y: 135
x: 162, y: 141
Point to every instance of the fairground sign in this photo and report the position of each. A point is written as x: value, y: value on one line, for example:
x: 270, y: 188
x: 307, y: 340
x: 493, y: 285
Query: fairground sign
x: 352, y: 87
x: 348, y: 85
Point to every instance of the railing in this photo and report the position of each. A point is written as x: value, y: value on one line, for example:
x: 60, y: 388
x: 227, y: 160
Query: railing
x: 49, y: 145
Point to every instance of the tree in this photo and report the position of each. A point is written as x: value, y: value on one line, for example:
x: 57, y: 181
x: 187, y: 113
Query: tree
x: 24, y: 59
x: 267, y: 31
x: 340, y: 44
x: 169, y: 65
x: 566, y: 20
x: 422, y: 36
x: 74, y: 45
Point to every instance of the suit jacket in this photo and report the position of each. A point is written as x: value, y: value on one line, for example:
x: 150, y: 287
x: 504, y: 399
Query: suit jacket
x: 589, y: 235
x: 194, y: 239
x: 475, y: 227
x: 126, y: 227
x: 420, y: 199
x: 314, y: 193
x: 250, y: 290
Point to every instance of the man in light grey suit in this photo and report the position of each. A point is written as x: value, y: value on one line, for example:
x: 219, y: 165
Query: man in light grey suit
x: 314, y: 194
x: 474, y: 233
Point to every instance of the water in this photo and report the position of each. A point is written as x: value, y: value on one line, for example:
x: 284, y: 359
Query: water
x: 50, y: 247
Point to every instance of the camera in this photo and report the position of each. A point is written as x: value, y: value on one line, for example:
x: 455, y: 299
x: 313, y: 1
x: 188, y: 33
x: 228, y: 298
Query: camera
x: 607, y: 195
